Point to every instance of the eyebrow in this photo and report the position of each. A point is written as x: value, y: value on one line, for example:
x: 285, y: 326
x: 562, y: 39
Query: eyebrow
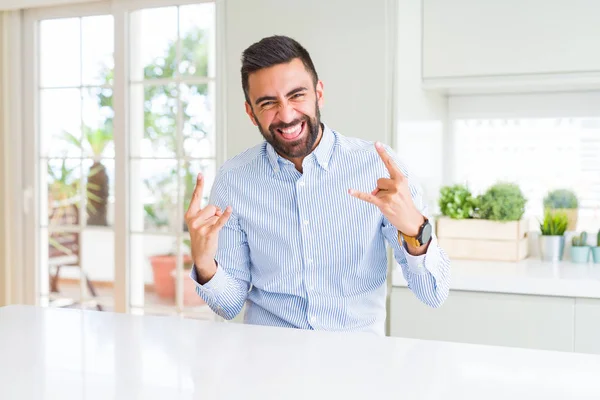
x: 290, y: 93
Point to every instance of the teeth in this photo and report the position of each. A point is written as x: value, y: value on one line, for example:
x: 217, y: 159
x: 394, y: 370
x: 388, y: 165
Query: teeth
x: 293, y: 129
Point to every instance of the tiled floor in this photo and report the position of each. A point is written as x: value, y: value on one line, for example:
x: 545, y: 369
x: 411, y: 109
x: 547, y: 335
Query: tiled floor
x: 69, y: 296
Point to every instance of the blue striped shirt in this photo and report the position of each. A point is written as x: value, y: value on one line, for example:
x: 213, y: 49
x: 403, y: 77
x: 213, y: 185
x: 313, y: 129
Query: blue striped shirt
x: 301, y: 252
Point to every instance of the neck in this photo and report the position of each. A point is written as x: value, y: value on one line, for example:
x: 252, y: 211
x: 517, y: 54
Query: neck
x: 299, y: 160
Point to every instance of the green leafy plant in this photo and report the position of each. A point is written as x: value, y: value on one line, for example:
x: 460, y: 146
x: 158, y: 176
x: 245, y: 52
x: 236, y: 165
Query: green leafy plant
x: 64, y: 192
x: 161, y: 123
x: 95, y: 141
x: 598, y: 239
x: 554, y: 224
x: 579, y: 240
x: 503, y: 201
x: 561, y: 198
x: 456, y: 202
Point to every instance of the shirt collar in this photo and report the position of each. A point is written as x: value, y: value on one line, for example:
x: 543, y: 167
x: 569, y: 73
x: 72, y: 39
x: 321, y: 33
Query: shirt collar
x: 322, y: 152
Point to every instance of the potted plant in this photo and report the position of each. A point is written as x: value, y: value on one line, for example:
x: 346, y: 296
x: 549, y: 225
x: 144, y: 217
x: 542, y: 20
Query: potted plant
x: 580, y: 251
x: 163, y: 268
x: 552, y: 240
x: 488, y: 227
x: 596, y: 250
x: 503, y: 201
x: 158, y: 218
x: 190, y: 297
x: 563, y: 200
x: 456, y: 202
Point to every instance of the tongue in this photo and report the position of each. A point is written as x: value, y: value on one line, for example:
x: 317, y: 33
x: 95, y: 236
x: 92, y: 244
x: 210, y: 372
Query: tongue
x: 289, y: 135
x: 293, y: 134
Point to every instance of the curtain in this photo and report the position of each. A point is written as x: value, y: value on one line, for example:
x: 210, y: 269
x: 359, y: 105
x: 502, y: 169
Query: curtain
x: 4, y: 237
x: 10, y: 151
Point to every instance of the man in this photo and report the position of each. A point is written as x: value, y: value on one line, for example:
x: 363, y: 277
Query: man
x: 296, y: 227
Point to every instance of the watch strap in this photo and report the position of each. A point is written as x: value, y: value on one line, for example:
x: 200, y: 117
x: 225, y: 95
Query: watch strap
x: 411, y: 240
x: 415, y: 241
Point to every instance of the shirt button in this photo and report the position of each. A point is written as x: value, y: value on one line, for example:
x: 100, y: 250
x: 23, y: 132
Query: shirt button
x: 301, y: 183
x: 325, y: 165
x: 312, y: 319
x: 305, y: 222
x: 309, y: 260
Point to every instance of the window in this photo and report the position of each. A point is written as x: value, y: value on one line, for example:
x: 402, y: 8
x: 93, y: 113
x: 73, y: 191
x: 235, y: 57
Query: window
x: 538, y: 153
x: 153, y: 65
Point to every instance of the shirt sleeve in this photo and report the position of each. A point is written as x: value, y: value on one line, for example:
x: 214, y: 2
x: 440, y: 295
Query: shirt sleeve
x: 226, y: 292
x: 427, y: 275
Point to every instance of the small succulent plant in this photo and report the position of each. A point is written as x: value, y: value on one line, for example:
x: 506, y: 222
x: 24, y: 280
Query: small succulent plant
x: 579, y: 240
x: 554, y: 224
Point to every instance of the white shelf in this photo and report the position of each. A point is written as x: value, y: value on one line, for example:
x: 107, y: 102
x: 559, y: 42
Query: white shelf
x: 530, y: 276
x: 526, y: 83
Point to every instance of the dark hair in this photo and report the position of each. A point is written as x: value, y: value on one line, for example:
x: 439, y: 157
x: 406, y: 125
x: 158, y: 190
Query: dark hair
x: 271, y: 51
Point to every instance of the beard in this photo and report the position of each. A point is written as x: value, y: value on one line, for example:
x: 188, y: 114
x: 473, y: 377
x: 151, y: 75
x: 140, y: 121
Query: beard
x: 298, y: 148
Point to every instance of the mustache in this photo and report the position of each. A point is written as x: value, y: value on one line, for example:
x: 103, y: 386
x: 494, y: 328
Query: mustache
x: 284, y: 125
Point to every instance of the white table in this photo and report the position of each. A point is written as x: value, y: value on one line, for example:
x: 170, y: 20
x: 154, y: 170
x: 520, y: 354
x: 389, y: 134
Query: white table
x: 71, y: 354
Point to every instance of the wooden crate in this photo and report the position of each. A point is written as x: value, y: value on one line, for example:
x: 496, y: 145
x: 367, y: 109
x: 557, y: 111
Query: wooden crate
x: 475, y: 239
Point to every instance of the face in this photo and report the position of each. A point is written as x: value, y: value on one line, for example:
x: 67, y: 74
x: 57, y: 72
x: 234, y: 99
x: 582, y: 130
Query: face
x: 285, y: 106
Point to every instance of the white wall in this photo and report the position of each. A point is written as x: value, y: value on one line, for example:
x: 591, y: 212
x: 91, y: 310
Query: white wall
x: 421, y: 116
x: 348, y: 44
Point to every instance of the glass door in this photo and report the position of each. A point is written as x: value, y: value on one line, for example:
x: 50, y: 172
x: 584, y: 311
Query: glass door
x: 123, y: 117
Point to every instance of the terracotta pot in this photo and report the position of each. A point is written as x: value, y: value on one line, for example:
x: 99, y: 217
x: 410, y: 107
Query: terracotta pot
x: 162, y: 268
x: 190, y: 297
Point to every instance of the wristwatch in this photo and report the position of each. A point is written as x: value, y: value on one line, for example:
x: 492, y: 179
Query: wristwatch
x: 423, y: 237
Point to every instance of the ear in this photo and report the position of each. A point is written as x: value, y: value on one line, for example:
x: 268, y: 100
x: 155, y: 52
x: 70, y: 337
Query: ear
x: 319, y: 92
x: 250, y: 114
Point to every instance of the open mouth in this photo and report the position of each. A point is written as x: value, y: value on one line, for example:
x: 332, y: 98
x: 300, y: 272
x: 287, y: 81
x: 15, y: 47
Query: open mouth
x: 293, y: 132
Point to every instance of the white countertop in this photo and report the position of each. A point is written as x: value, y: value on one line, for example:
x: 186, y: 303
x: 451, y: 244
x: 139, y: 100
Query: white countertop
x: 72, y: 354
x: 530, y: 276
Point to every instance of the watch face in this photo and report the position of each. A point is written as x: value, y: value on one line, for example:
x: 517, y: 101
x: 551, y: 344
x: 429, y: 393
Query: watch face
x: 426, y: 233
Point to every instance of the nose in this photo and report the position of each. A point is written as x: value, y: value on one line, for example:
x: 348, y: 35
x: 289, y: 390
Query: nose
x: 287, y: 113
